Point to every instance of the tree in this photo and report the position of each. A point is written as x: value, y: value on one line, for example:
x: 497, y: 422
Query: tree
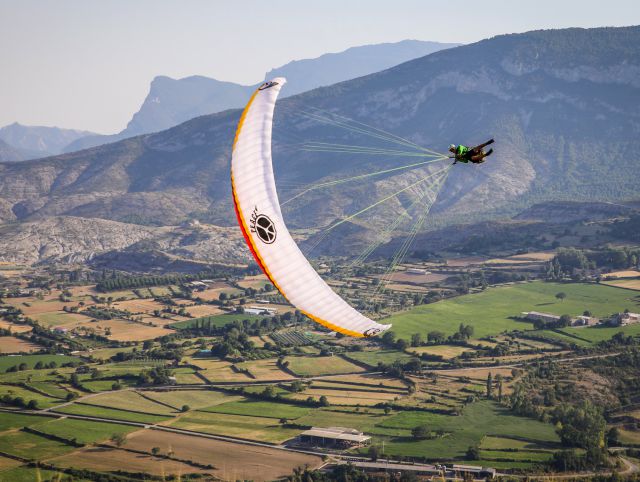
x: 416, y: 339
x: 473, y: 453
x: 324, y: 401
x: 32, y: 405
x: 613, y: 436
x: 561, y: 295
x: 435, y: 337
x: 155, y: 450
x: 420, y: 432
x: 489, y: 386
x: 118, y: 439
x: 373, y: 453
x: 388, y: 337
x: 499, y: 382
x: 581, y: 425
x: 185, y: 408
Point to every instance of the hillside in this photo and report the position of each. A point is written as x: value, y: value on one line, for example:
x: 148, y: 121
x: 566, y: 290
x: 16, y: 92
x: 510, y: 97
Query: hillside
x: 560, y: 111
x: 173, y: 101
x: 39, y: 141
x: 9, y: 153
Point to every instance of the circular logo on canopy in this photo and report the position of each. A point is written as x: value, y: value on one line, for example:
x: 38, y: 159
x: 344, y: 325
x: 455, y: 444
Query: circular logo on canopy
x: 372, y: 332
x: 264, y: 228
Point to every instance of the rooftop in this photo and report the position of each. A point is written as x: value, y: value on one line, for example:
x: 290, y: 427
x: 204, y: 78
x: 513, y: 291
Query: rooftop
x: 337, y: 433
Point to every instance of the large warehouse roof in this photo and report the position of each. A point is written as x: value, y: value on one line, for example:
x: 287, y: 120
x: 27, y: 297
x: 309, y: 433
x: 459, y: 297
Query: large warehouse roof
x: 337, y: 433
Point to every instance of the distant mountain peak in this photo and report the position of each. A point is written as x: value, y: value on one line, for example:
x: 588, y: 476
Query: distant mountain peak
x: 39, y: 141
x: 173, y: 101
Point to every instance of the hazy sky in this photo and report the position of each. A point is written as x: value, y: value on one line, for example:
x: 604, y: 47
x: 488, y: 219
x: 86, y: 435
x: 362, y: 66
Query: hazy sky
x: 87, y: 64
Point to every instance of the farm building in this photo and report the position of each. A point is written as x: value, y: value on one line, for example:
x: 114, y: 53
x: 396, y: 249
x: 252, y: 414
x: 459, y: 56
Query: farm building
x: 260, y: 310
x: 584, y: 321
x: 334, y: 437
x: 537, y: 316
x: 198, y: 285
x: 624, y: 319
x: 417, y: 271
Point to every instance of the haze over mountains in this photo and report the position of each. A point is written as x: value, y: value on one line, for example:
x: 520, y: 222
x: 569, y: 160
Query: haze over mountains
x: 559, y: 103
x: 32, y: 142
x: 173, y: 101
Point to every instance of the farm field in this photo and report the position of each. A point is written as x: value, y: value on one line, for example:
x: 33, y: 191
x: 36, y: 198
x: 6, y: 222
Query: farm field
x: 27, y: 395
x: 123, y: 330
x: 203, y: 310
x: 263, y: 429
x: 265, y: 370
x: 62, y: 319
x: 31, y: 360
x: 216, y: 320
x: 214, y: 293
x: 342, y: 396
x: 139, y: 305
x: 129, y: 400
x: 196, y: 399
x: 372, y: 358
x: 231, y: 461
x: 477, y: 420
x: 10, y: 421
x: 630, y: 284
x: 445, y: 351
x: 260, y: 409
x: 83, y: 431
x: 322, y: 365
x: 104, y: 459
x: 110, y: 413
x: 595, y: 334
x: 14, y: 327
x: 29, y: 474
x: 31, y: 446
x: 367, y: 380
x: 11, y: 344
x: 489, y: 311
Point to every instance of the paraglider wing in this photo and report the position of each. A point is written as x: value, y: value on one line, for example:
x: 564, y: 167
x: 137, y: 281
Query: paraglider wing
x: 258, y: 210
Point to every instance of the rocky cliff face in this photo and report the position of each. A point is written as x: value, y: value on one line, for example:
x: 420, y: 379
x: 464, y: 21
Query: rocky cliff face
x: 564, y: 130
x: 69, y: 239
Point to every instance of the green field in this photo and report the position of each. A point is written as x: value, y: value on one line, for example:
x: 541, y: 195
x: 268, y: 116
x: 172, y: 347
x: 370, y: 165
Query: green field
x: 321, y: 365
x: 83, y: 431
x: 216, y: 320
x: 196, y: 399
x: 129, y: 400
x: 32, y: 446
x: 27, y: 395
x: 28, y: 474
x: 110, y: 413
x: 31, y: 360
x: 478, y: 419
x: 243, y: 426
x: 51, y: 388
x: 260, y: 409
x: 596, y: 333
x: 372, y: 358
x: 17, y: 420
x: 489, y: 311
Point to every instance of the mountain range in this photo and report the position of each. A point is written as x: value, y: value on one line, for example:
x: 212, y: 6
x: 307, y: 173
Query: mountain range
x: 560, y: 104
x: 173, y: 101
x: 32, y: 142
